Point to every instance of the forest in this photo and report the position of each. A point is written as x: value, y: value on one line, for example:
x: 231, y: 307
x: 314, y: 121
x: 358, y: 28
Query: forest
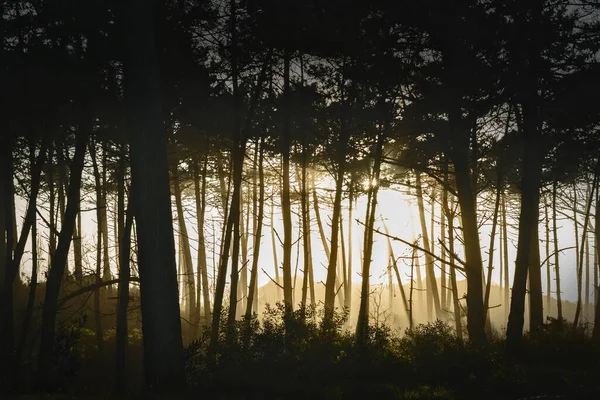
x: 267, y: 199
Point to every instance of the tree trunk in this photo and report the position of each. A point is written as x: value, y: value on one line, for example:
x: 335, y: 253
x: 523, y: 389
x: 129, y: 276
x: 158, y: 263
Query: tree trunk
x: 286, y: 207
x: 14, y: 254
x: 583, y: 241
x: 596, y: 331
x: 200, y: 194
x: 433, y: 298
x: 100, y: 207
x: 449, y: 211
x: 106, y: 273
x: 46, y: 367
x: 536, y: 308
x: 505, y: 266
x: 332, y: 252
x: 394, y: 265
x: 362, y: 325
x: 305, y: 217
x: 274, y: 245
x: 252, y: 293
x: 548, y: 269
x: 474, y: 263
x: 530, y: 199
x: 488, y: 285
x: 124, y: 226
x: 163, y: 348
x: 556, y: 253
x: 188, y: 271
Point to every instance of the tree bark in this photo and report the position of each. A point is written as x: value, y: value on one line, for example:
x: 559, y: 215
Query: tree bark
x: 163, y: 347
x: 474, y: 266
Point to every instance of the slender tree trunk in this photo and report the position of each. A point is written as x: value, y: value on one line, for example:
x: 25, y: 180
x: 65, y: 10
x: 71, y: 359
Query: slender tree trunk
x: 200, y: 194
x: 443, y: 280
x: 100, y: 206
x: 433, y: 299
x: 286, y: 207
x: 411, y: 290
x: 46, y: 368
x: 505, y: 247
x: 163, y: 347
x: 350, y: 222
x: 536, y: 308
x: 362, y: 326
x: 52, y: 205
x: 188, y: 269
x: 587, y: 279
x: 596, y: 331
x: 124, y: 226
x: 106, y: 273
x: 305, y: 210
x: 252, y: 293
x: 582, y: 248
x: 556, y: 253
x: 488, y: 285
x: 548, y: 269
x: 449, y: 211
x: 274, y: 245
x: 332, y: 252
x: 394, y: 265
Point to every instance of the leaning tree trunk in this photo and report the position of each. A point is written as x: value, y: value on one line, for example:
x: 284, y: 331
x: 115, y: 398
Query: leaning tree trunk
x: 433, y: 298
x: 163, y: 347
x: 46, y: 367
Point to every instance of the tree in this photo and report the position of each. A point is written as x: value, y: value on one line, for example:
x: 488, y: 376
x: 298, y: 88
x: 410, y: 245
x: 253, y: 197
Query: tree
x: 163, y: 348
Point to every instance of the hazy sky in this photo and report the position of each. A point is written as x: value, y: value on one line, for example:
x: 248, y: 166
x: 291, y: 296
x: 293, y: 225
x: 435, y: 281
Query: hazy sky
x: 399, y: 211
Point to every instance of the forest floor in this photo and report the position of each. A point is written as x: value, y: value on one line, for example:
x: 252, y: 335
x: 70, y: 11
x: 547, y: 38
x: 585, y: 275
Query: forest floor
x: 299, y: 360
